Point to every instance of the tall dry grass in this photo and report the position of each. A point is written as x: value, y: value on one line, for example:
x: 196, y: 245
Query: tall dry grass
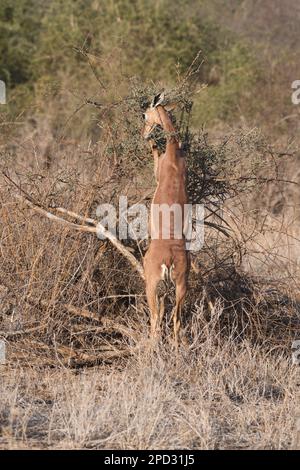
x: 228, y: 395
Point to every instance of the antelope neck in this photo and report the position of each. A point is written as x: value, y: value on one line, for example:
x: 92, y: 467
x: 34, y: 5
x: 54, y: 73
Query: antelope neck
x: 167, y: 125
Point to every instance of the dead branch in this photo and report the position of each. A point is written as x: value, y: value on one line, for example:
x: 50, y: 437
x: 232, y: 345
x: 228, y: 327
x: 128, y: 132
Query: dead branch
x: 78, y: 358
x: 99, y: 229
x: 84, y: 313
x: 219, y: 228
x: 88, y: 220
x: 259, y: 179
x: 10, y: 334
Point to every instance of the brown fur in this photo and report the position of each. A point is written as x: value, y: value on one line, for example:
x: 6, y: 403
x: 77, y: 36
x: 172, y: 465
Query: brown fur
x: 170, y: 172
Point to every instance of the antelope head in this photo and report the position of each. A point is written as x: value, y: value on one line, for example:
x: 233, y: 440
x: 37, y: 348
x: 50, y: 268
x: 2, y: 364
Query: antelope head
x: 152, y: 117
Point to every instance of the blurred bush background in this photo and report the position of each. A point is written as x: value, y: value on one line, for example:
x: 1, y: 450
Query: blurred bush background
x: 248, y: 48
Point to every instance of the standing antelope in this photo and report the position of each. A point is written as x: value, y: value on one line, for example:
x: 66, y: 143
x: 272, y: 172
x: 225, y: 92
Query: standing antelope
x: 167, y: 258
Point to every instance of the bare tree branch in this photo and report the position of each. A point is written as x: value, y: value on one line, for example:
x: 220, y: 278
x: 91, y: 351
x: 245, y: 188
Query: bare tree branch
x: 98, y: 229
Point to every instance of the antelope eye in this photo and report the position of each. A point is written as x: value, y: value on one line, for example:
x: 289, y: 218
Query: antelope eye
x: 144, y: 116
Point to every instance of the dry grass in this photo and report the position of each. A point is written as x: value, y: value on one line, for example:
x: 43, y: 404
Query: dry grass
x: 222, y: 396
x: 80, y: 372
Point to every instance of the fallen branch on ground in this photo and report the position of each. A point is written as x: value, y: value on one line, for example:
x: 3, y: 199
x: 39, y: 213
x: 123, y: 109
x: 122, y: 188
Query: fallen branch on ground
x: 107, y: 323
x: 78, y: 358
x: 10, y: 334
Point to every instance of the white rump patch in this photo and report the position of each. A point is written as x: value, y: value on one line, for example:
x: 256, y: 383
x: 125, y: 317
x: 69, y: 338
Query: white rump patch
x: 166, y: 273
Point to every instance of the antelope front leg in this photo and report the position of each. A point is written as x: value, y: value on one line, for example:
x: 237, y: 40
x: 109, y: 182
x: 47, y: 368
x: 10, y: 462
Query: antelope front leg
x: 155, y: 311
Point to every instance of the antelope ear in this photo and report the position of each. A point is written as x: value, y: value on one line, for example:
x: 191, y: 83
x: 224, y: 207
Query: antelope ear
x: 170, y: 106
x: 158, y: 99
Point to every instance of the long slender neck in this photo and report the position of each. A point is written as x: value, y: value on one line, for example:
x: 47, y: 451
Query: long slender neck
x: 168, y: 127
